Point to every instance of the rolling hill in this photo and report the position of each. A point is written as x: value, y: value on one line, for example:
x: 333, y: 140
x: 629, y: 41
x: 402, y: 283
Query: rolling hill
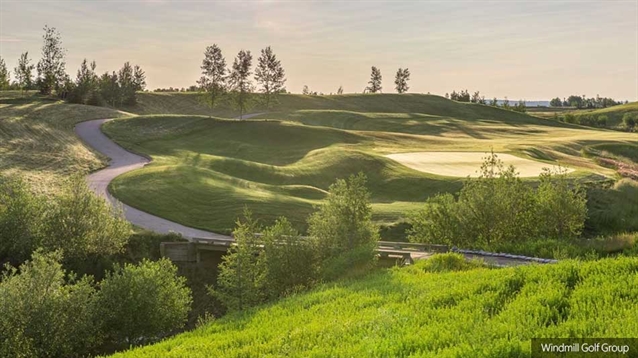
x: 37, y: 139
x: 206, y: 170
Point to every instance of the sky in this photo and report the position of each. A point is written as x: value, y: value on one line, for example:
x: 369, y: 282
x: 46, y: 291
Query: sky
x: 532, y: 50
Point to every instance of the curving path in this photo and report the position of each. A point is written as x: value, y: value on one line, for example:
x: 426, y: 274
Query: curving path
x: 123, y: 161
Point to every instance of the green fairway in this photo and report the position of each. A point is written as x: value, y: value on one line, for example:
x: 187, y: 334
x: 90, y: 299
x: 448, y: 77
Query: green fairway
x: 37, y: 139
x: 214, y: 168
x: 412, y: 312
x: 206, y: 170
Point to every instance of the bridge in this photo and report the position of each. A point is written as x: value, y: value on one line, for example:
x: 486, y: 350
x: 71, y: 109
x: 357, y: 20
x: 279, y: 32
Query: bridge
x: 407, y: 252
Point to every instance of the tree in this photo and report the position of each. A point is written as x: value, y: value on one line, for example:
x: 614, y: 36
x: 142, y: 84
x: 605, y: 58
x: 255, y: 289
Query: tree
x: 494, y: 102
x: 241, y: 273
x: 110, y: 88
x: 476, y: 97
x: 4, y: 76
x: 213, y: 80
x: 81, y: 223
x: 342, y: 228
x: 374, y: 85
x: 24, y: 72
x: 139, y: 79
x: 240, y: 82
x: 575, y: 101
x: 556, y: 102
x: 270, y: 74
x: 45, y: 311
x: 340, y: 90
x: 139, y: 303
x: 520, y: 106
x: 86, y: 83
x: 305, y: 90
x: 51, y: 68
x: 464, y: 96
x: 401, y: 80
x: 130, y: 80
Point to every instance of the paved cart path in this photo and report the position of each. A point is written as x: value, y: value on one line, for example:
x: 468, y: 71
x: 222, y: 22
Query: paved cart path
x: 123, y: 161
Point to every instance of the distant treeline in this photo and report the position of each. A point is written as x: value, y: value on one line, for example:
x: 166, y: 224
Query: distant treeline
x: 476, y: 97
x: 584, y: 102
x: 115, y: 88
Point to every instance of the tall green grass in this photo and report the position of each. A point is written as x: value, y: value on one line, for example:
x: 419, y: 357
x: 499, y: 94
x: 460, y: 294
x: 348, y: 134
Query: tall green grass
x: 411, y: 311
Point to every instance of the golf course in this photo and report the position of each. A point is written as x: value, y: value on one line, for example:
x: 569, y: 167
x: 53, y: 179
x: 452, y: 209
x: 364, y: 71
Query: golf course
x: 318, y: 179
x: 206, y: 169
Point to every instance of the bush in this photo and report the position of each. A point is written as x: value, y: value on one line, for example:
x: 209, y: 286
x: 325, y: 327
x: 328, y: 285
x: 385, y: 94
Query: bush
x: 438, y: 221
x: 288, y: 260
x: 562, y: 210
x: 448, y: 262
x: 629, y: 121
x: 21, y: 216
x: 498, y: 208
x: 42, y: 314
x: 344, y: 222
x: 601, y: 121
x: 143, y: 303
x: 586, y: 120
x: 75, y: 221
x: 81, y: 223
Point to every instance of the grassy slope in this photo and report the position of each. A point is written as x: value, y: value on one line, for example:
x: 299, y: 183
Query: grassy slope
x: 614, y: 113
x: 206, y: 170
x: 217, y: 167
x: 409, y: 312
x: 37, y: 138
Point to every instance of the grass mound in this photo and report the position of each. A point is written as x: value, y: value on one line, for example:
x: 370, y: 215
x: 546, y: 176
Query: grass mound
x: 217, y: 167
x: 205, y: 170
x: 412, y: 312
x: 37, y: 139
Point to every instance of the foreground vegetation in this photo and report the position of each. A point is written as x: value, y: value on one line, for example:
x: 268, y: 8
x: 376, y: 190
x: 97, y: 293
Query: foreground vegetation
x: 48, y: 312
x: 112, y: 298
x: 412, y: 311
x: 498, y: 208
